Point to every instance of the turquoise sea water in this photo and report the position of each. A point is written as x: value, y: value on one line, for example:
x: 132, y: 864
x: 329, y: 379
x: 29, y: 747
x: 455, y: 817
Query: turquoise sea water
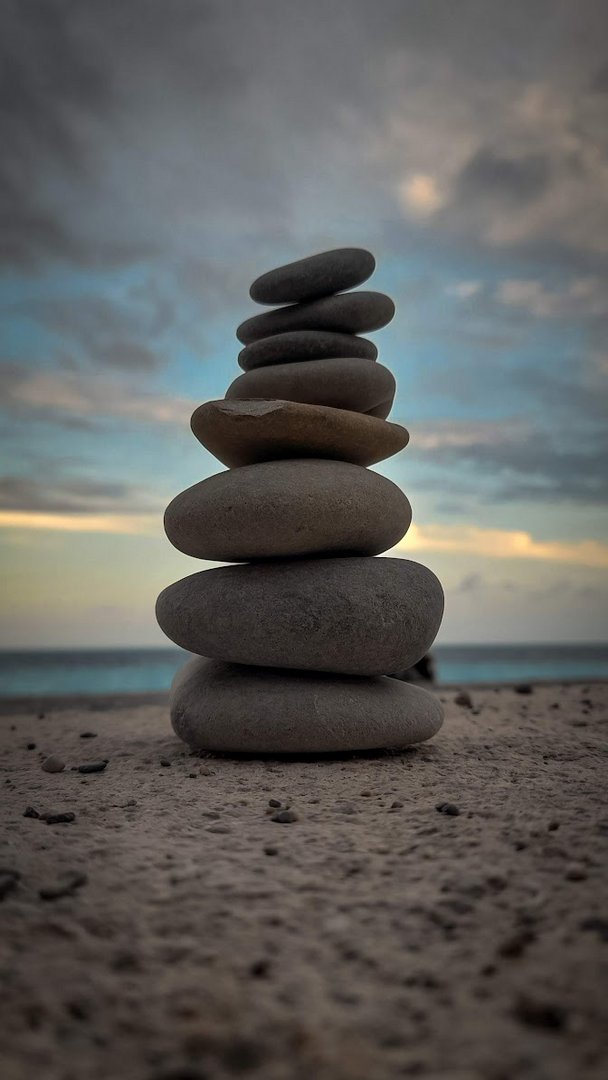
x: 107, y: 671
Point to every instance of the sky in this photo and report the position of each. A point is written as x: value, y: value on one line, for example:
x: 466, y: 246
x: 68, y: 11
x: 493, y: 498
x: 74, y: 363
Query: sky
x: 158, y: 156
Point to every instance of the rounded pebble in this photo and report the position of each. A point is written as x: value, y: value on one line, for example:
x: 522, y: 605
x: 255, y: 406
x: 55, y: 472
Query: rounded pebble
x: 304, y: 345
x: 340, y: 382
x: 347, y: 313
x: 317, y: 275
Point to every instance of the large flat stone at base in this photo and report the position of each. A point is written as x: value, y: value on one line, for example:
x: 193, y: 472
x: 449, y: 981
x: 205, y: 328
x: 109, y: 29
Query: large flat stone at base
x: 233, y: 708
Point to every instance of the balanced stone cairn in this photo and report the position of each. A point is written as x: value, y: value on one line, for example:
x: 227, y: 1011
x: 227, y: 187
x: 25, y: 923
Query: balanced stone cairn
x: 295, y: 643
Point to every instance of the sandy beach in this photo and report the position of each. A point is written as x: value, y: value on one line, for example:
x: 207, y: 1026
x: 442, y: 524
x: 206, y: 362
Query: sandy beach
x: 173, y: 931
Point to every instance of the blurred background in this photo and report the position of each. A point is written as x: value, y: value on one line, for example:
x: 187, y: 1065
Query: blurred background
x: 157, y: 157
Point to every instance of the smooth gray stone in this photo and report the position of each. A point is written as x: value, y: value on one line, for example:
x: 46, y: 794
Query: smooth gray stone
x: 346, y: 313
x: 238, y: 709
x: 246, y: 432
x: 342, y: 383
x: 304, y: 345
x: 317, y: 275
x: 280, y: 509
x: 356, y: 616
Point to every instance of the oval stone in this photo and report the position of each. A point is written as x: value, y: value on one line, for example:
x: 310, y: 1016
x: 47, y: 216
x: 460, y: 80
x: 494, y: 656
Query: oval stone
x: 286, y: 508
x: 342, y: 383
x: 245, y: 432
x: 315, y: 276
x: 304, y: 345
x: 347, y: 313
x: 354, y: 616
x: 237, y: 709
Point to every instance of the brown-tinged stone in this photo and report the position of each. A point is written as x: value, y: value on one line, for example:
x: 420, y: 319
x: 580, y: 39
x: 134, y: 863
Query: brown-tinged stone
x: 233, y: 708
x: 280, y: 509
x: 304, y: 345
x: 245, y: 432
x: 347, y: 313
x: 354, y: 616
x: 317, y: 275
x: 341, y: 383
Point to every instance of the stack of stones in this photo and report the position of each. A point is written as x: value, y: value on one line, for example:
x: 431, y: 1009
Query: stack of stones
x: 295, y: 643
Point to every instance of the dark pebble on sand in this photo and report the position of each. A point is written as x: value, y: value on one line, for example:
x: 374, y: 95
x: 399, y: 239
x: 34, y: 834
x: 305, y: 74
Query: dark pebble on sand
x: 595, y: 924
x: 396, y: 805
x: 285, y: 817
x: 166, y: 764
x: 464, y: 698
x: 274, y: 802
x: 64, y: 887
x: 58, y: 819
x: 515, y: 946
x: 30, y: 812
x: 543, y: 1014
x: 8, y: 881
x: 270, y: 850
x: 448, y: 808
x: 522, y: 688
x: 259, y: 969
x: 88, y: 734
x: 31, y: 745
x: 93, y: 766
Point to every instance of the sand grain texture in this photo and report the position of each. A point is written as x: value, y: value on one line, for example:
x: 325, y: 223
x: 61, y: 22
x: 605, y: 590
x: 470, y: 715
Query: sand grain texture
x: 373, y: 937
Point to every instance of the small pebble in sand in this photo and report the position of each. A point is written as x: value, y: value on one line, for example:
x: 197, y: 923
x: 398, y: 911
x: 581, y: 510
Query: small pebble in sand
x: 274, y: 802
x: 166, y: 764
x: 596, y: 924
x: 58, y: 819
x: 53, y: 764
x: 464, y: 698
x: 88, y: 734
x: 285, y: 817
x: 66, y: 886
x: 448, y: 808
x: 8, y: 881
x: 31, y: 745
x: 522, y: 688
x: 575, y: 873
x: 396, y: 805
x: 93, y: 766
x: 30, y: 812
x: 270, y: 850
x: 543, y: 1014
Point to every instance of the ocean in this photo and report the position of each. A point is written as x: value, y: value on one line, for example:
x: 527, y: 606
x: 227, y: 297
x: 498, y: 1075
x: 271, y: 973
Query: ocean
x: 115, y: 671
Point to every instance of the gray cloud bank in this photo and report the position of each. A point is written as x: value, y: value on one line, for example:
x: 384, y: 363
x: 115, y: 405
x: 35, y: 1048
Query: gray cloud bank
x: 140, y: 128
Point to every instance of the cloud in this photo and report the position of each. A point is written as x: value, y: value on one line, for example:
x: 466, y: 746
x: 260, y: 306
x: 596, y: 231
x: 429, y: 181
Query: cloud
x: 581, y: 297
x: 86, y: 399
x: 59, y: 495
x: 464, y: 290
x: 500, y: 544
x: 510, y: 181
x: 125, y: 524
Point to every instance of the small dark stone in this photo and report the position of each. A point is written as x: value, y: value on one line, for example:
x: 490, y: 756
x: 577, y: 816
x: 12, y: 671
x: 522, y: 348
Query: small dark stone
x: 260, y: 969
x: 93, y: 766
x: 88, y: 734
x: 544, y: 1014
x: 596, y: 924
x: 166, y: 764
x: 448, y: 808
x: 65, y: 887
x: 270, y: 850
x: 31, y: 745
x: 274, y: 802
x: 285, y: 817
x: 58, y: 819
x: 575, y: 873
x: 464, y: 698
x: 41, y: 716
x: 192, y: 776
x: 30, y: 812
x: 396, y: 805
x: 8, y: 881
x: 516, y: 945
x: 522, y: 688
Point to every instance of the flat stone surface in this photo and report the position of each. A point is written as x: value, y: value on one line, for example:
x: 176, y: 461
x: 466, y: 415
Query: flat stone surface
x: 284, y: 508
x: 304, y: 345
x: 315, y: 276
x: 234, y: 708
x: 355, y: 616
x: 245, y: 432
x: 341, y: 383
x: 349, y: 313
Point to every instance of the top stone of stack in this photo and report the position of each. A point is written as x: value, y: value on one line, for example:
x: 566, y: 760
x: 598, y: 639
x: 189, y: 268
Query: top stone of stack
x: 313, y: 277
